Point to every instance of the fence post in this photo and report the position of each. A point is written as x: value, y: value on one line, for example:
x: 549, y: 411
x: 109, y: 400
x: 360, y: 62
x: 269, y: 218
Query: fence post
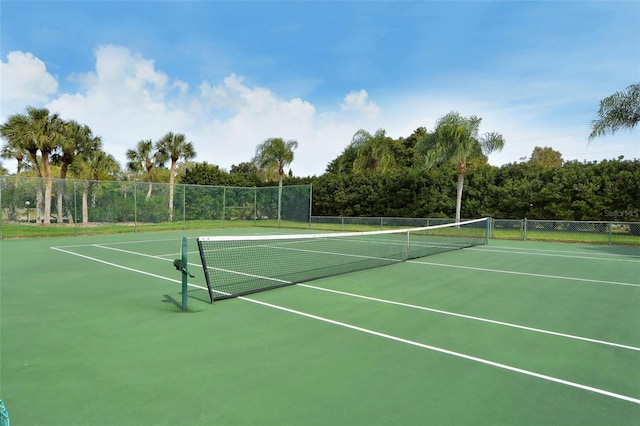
x: 75, y: 207
x: 488, y: 231
x: 524, y: 229
x: 224, y: 202
x: 310, y: 203
x: 255, y: 205
x: 610, y: 225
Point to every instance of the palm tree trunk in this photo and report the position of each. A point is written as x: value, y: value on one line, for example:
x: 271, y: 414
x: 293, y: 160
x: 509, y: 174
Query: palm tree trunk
x: 85, y: 203
x: 61, y: 191
x: 459, y: 196
x: 47, y: 187
x: 171, y: 182
x: 40, y: 192
x: 150, y: 187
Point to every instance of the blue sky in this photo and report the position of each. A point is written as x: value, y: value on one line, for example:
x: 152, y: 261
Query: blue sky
x: 230, y: 74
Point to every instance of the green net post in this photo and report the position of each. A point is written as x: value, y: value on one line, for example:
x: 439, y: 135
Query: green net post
x: 185, y: 276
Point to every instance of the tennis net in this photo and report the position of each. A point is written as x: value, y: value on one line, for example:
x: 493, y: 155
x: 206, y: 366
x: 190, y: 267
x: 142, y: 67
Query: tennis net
x: 240, y: 265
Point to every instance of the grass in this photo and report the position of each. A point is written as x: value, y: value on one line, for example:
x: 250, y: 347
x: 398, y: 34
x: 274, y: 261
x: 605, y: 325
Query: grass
x: 566, y: 237
x: 22, y: 230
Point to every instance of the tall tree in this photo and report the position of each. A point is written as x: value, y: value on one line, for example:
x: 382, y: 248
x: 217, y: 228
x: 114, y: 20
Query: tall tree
x: 37, y: 130
x: 546, y: 157
x: 142, y: 159
x: 374, y: 152
x: 456, y: 140
x: 173, y: 147
x: 91, y: 166
x: 618, y: 111
x: 275, y: 153
x: 76, y: 140
x: 12, y: 150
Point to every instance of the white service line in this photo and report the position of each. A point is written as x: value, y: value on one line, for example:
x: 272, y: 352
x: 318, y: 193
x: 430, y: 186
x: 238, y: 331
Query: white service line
x: 629, y: 258
x: 529, y: 274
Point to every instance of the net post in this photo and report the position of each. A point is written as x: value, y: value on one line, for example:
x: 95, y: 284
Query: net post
x: 185, y: 299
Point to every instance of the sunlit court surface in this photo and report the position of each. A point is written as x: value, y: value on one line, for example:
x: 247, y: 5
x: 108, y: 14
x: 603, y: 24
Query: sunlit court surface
x: 507, y: 333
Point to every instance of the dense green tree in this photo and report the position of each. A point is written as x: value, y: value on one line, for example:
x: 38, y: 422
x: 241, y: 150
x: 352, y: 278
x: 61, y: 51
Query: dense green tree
x: 213, y: 175
x: 173, y: 147
x: 248, y: 170
x: 618, y: 111
x: 275, y: 154
x: 456, y: 140
x: 546, y: 157
x: 374, y: 153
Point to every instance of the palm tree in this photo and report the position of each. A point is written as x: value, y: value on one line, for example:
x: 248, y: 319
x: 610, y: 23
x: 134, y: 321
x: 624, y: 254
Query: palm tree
x: 37, y: 130
x: 173, y: 147
x: 12, y: 150
x: 275, y: 153
x: 374, y: 152
x: 618, y: 111
x: 141, y: 159
x: 77, y: 140
x: 92, y: 166
x: 456, y: 140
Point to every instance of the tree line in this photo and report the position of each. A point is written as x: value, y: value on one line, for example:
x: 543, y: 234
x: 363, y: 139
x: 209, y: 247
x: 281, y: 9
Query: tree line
x: 375, y: 175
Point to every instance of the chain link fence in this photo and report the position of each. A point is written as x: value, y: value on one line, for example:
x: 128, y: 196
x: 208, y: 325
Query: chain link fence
x: 80, y: 204
x: 515, y: 229
x: 558, y: 230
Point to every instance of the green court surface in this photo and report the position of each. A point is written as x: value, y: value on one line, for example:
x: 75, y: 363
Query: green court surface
x: 511, y: 333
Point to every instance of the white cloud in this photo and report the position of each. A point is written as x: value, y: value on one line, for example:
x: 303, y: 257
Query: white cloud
x: 24, y: 80
x: 126, y: 99
x: 359, y: 102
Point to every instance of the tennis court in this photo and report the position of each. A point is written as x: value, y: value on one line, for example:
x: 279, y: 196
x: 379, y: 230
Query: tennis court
x: 510, y: 333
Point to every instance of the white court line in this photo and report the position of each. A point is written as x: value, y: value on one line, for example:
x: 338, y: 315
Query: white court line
x: 389, y: 337
x: 448, y: 352
x: 470, y: 317
x: 529, y: 249
x: 528, y: 253
x: 506, y: 324
x: 529, y: 274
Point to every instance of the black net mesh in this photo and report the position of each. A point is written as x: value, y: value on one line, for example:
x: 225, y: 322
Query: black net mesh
x: 236, y: 266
